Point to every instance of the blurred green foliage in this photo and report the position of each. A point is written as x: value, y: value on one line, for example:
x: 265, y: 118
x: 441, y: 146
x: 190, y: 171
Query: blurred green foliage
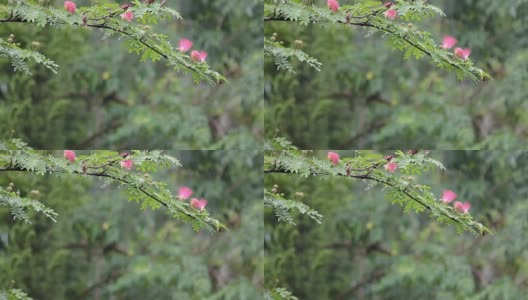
x: 103, y: 97
x: 368, y: 96
x: 366, y: 248
x: 103, y: 247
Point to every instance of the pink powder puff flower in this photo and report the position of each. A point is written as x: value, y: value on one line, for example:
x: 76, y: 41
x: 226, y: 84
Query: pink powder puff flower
x: 70, y: 6
x: 69, y: 155
x: 391, y: 167
x: 184, y: 192
x: 391, y: 14
x: 448, y: 196
x: 185, y: 45
x: 463, y: 53
x: 127, y: 15
x: 333, y: 157
x: 127, y: 164
x: 462, y: 207
x: 448, y: 42
x: 198, y: 203
x: 199, y: 55
x: 333, y: 5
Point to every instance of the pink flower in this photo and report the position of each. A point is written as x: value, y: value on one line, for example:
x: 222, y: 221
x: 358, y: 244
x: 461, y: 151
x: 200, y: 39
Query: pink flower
x: 184, y: 192
x: 199, y: 55
x: 333, y: 157
x: 391, y: 167
x: 391, y: 14
x: 69, y: 155
x: 127, y: 164
x: 388, y: 4
x: 448, y: 42
x: 185, y: 45
x: 198, y: 203
x: 448, y: 196
x: 462, y: 207
x: 127, y: 15
x: 333, y: 5
x: 463, y: 53
x: 70, y: 6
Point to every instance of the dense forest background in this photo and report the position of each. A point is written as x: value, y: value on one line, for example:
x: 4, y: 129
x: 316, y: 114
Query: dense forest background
x: 367, y: 248
x: 105, y: 97
x: 368, y: 96
x: 104, y: 247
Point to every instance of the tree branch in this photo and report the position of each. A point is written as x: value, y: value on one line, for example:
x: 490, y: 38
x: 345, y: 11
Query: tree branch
x: 367, y: 23
x: 366, y: 176
x: 105, y: 26
x: 104, y: 174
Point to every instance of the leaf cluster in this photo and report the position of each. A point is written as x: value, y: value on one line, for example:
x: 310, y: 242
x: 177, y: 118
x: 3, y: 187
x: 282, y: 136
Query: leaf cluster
x: 282, y: 55
x: 279, y: 294
x: 14, y: 294
x: 20, y: 57
x: 283, y: 208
